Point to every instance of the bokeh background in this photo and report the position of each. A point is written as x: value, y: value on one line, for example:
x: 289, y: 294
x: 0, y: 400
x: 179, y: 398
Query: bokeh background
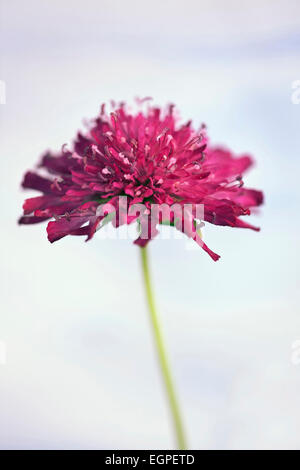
x: 80, y: 369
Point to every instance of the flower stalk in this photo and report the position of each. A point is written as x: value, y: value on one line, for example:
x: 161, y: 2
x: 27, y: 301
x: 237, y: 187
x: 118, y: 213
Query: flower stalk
x: 162, y: 357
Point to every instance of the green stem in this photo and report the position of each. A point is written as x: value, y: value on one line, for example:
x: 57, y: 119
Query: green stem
x: 171, y: 395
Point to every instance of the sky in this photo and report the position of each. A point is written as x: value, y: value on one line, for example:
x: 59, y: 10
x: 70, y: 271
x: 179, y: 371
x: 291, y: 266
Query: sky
x: 80, y: 369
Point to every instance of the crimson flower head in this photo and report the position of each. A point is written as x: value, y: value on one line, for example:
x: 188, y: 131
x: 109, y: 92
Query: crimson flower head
x: 146, y: 159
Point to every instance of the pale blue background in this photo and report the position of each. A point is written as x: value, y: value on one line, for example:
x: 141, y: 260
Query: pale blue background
x: 81, y: 370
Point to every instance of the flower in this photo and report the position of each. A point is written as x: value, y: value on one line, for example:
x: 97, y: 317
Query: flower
x: 149, y: 158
